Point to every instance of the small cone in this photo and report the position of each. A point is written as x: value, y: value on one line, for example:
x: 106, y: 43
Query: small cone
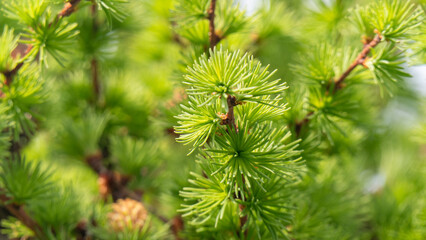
x: 127, y: 214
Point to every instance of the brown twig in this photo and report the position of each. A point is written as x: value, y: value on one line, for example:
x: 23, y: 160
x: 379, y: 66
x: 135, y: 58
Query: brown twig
x: 8, y: 75
x: 67, y: 10
x: 299, y: 125
x: 339, y: 83
x: 229, y: 117
x: 360, y: 60
x: 213, y: 37
x: 176, y: 37
x: 110, y: 182
x: 19, y: 212
x: 177, y: 226
x: 94, y: 66
x: 95, y: 77
x: 243, y: 220
x: 94, y: 13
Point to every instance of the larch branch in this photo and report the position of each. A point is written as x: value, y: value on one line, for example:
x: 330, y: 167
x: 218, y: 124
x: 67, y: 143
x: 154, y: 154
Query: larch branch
x: 67, y: 10
x: 94, y: 66
x: 360, y: 60
x: 19, y: 212
x: 229, y: 117
x: 95, y: 77
x: 213, y: 37
x: 338, y: 84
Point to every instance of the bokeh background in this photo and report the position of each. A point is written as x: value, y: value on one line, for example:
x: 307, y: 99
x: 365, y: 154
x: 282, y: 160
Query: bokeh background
x: 368, y: 183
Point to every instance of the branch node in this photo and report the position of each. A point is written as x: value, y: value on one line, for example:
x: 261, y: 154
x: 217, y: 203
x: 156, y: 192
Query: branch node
x: 229, y: 117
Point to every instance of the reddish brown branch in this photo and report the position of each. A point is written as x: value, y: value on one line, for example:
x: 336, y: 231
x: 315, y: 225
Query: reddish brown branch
x: 360, y: 60
x: 229, y: 117
x: 95, y: 77
x: 231, y: 100
x: 94, y: 12
x: 176, y: 37
x: 213, y: 37
x: 243, y: 219
x: 8, y: 75
x: 305, y: 121
x: 110, y: 182
x: 81, y: 230
x: 338, y: 84
x: 94, y: 66
x: 177, y: 226
x: 19, y: 212
x: 67, y: 10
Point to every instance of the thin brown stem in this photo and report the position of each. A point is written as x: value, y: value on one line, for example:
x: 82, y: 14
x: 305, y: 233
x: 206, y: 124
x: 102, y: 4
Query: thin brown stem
x: 19, y: 212
x: 95, y: 77
x: 66, y: 11
x: 243, y: 220
x: 94, y: 12
x: 213, y: 37
x: 339, y: 83
x: 360, y: 60
x: 176, y: 37
x: 229, y: 117
x: 231, y: 100
x: 304, y: 122
x: 81, y: 230
x: 110, y: 182
x: 94, y: 66
x: 8, y: 75
x: 177, y: 226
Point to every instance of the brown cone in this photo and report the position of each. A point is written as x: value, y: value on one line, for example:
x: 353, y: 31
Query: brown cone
x: 127, y: 214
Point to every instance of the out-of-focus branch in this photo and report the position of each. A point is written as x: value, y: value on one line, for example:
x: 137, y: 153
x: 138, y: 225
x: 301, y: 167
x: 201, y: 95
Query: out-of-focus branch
x: 66, y: 11
x: 95, y: 77
x: 94, y: 66
x: 110, y: 182
x: 19, y: 212
x: 213, y: 37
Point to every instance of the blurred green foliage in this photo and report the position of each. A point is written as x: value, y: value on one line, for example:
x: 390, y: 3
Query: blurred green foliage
x: 365, y: 150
